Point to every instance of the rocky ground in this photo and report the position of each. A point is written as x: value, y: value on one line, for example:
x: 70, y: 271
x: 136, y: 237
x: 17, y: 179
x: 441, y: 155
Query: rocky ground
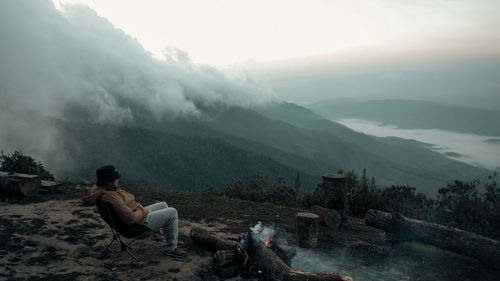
x: 51, y: 236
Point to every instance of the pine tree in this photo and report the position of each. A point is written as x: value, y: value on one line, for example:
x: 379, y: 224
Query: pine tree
x: 364, y: 181
x: 373, y: 185
x: 297, y: 183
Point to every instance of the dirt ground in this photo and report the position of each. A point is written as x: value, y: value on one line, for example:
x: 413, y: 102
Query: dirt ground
x: 52, y: 236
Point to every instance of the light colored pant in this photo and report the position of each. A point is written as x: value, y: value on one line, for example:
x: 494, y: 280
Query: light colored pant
x: 161, y: 216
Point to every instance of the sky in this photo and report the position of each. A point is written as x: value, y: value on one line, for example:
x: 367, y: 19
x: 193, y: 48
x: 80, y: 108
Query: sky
x: 227, y: 32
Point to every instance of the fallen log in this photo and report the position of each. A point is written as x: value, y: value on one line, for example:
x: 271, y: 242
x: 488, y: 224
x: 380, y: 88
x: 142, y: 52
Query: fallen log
x: 328, y: 217
x: 210, y: 241
x: 273, y: 268
x: 19, y: 184
x: 401, y: 228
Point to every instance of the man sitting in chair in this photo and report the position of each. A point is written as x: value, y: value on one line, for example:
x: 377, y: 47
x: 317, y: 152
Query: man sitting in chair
x: 154, y: 216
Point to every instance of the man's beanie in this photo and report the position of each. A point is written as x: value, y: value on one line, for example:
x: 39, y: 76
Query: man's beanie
x: 106, y: 174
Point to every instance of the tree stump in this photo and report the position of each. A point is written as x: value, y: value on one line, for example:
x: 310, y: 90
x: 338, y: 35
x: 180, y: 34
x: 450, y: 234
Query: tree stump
x: 328, y: 217
x: 335, y: 190
x: 19, y: 184
x: 307, y: 230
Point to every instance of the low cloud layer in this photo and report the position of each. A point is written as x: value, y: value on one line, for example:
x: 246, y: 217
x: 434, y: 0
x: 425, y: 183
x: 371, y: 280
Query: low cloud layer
x: 73, y: 64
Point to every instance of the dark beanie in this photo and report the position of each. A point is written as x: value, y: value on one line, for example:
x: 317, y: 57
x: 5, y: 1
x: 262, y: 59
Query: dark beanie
x: 106, y: 174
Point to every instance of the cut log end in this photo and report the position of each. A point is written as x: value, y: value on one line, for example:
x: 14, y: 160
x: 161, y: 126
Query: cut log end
x: 19, y: 184
x: 328, y: 217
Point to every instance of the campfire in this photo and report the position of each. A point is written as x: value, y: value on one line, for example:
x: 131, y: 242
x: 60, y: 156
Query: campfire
x: 263, y: 252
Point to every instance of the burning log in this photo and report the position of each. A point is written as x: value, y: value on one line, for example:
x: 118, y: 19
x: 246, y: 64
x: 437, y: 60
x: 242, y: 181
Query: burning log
x: 462, y: 242
x: 334, y: 188
x: 284, y: 251
x: 210, y: 241
x: 19, y: 184
x: 273, y: 268
x: 307, y: 230
x: 328, y: 217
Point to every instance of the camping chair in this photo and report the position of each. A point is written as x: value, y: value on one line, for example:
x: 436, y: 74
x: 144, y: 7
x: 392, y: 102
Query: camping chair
x: 118, y: 227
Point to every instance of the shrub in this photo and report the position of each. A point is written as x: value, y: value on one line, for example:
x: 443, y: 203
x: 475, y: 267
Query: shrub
x: 19, y: 163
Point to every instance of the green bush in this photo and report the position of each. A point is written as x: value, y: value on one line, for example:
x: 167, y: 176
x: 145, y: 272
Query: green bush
x: 19, y: 163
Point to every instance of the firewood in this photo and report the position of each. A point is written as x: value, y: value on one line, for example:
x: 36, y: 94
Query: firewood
x: 328, y: 217
x: 19, y: 184
x: 227, y: 271
x: 225, y: 263
x: 225, y: 257
x: 273, y: 268
x: 307, y: 230
x: 401, y: 228
x: 210, y: 241
x: 284, y: 251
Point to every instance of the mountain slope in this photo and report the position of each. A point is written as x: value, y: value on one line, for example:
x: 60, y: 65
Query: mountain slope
x: 167, y: 160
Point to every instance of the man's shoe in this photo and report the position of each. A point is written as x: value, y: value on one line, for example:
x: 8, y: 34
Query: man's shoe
x: 177, y: 253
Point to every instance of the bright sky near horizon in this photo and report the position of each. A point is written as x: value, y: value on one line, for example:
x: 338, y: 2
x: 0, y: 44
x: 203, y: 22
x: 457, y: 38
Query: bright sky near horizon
x: 222, y: 32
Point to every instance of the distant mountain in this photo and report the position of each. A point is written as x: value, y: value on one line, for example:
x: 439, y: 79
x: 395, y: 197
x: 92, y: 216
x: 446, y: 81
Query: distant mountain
x: 234, y: 142
x: 412, y: 114
x: 392, y: 160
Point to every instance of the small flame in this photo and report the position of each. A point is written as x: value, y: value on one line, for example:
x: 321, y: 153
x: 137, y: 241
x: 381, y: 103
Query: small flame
x: 266, y: 240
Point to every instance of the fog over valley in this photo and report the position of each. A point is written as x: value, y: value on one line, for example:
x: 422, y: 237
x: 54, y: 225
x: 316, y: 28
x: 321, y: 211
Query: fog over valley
x: 473, y: 149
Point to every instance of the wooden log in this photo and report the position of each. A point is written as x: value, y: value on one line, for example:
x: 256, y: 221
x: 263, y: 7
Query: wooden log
x: 284, y: 251
x: 307, y: 230
x: 19, y: 184
x: 225, y: 257
x: 401, y: 228
x: 328, y: 217
x: 225, y: 263
x: 227, y: 271
x: 335, y: 191
x: 210, y: 241
x: 273, y: 268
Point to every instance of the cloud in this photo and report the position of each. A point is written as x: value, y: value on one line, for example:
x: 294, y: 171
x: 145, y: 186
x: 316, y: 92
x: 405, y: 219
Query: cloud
x: 73, y: 64
x: 52, y: 59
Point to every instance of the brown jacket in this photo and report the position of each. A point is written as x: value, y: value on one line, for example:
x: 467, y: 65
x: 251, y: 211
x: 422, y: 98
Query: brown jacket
x: 124, y: 203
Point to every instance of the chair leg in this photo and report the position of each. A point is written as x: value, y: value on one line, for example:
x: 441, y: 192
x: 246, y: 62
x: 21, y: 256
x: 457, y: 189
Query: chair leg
x: 109, y: 245
x: 130, y: 253
x: 110, y: 266
x: 113, y: 240
x: 123, y: 247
